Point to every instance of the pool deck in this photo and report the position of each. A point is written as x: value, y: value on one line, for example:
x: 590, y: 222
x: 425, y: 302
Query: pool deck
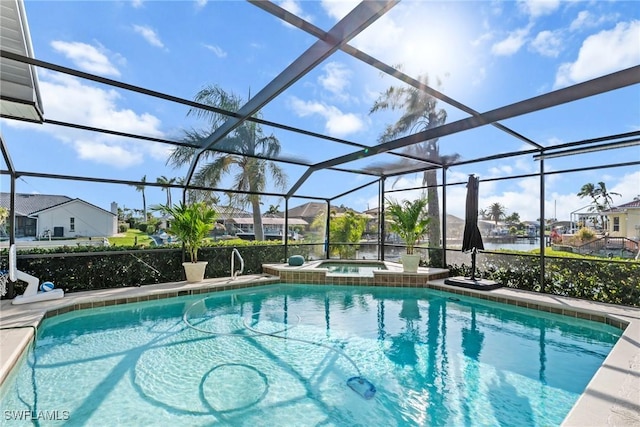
x: 612, y: 398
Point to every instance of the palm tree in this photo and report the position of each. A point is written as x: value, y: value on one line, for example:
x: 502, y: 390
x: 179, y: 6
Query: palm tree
x: 140, y: 187
x: 605, y: 195
x: 273, y: 210
x: 166, y: 182
x: 588, y: 190
x: 346, y: 229
x: 408, y: 220
x: 600, y: 197
x: 419, y: 113
x: 496, y: 212
x: 246, y: 141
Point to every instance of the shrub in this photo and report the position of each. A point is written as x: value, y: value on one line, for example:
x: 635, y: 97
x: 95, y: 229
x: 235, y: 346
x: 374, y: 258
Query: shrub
x: 142, y: 227
x: 586, y: 234
x: 614, y: 282
x: 88, y: 268
x: 123, y: 227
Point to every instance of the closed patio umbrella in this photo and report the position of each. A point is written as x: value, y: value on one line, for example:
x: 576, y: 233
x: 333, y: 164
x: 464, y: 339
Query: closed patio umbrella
x: 471, y: 239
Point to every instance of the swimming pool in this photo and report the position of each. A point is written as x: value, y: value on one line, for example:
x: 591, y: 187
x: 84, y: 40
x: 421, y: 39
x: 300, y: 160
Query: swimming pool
x: 206, y: 360
x: 352, y: 268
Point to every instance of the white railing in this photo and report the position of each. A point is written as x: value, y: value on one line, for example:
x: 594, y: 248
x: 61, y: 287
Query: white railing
x: 235, y: 273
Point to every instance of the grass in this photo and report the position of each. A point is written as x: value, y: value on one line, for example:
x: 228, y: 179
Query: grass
x: 129, y: 239
x: 132, y: 237
x: 550, y: 252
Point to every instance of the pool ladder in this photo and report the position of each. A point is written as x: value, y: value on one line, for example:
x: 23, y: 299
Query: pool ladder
x: 235, y: 273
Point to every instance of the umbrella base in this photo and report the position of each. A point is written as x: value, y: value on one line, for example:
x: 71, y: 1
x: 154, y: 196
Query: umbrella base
x: 477, y: 283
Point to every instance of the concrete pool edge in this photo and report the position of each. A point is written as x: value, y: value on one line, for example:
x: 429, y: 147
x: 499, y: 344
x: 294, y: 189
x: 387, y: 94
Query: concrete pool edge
x: 612, y: 397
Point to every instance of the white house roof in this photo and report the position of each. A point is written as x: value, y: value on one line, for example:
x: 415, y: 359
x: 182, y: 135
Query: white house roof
x: 308, y: 210
x: 27, y: 204
x: 32, y: 204
x: 19, y: 93
x: 270, y: 221
x: 227, y: 213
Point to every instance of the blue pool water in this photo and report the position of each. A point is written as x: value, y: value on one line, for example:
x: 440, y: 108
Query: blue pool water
x: 352, y: 269
x: 281, y: 355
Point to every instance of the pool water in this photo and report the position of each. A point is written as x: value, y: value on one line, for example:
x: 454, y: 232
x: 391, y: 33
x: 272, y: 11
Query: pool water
x: 281, y: 355
x: 362, y: 269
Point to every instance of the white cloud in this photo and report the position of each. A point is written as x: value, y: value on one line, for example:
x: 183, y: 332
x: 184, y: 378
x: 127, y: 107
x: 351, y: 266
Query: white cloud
x: 628, y: 186
x: 149, y: 35
x: 603, y: 53
x: 337, y: 123
x: 97, y: 107
x: 293, y: 6
x: 512, y: 43
x: 340, y: 124
x: 136, y: 3
x: 524, y: 198
x: 105, y: 153
x: 485, y: 37
x: 335, y: 78
x: 500, y: 170
x: 338, y: 9
x: 86, y: 57
x: 582, y: 20
x: 201, y: 3
x: 217, y: 50
x: 548, y: 43
x: 536, y: 8
x: 586, y: 20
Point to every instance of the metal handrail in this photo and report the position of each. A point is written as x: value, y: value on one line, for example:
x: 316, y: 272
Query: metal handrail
x: 234, y: 273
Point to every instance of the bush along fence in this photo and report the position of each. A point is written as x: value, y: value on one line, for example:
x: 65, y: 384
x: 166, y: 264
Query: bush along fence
x: 614, y: 282
x: 88, y: 268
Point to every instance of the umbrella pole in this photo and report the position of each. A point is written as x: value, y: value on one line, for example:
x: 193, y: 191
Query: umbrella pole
x: 473, y: 263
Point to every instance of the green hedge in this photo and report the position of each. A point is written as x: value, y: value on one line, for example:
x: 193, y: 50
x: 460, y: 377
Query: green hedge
x: 87, y: 268
x: 615, y: 282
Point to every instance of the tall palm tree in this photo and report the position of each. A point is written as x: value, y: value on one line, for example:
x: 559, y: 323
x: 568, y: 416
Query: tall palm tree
x: 140, y: 187
x: 166, y: 182
x: 496, y: 212
x: 600, y: 197
x: 420, y: 113
x: 588, y: 190
x: 249, y: 174
x: 605, y: 195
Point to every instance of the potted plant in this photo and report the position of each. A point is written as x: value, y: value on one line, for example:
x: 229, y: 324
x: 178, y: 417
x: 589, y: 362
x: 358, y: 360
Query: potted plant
x: 409, y: 220
x: 191, y: 224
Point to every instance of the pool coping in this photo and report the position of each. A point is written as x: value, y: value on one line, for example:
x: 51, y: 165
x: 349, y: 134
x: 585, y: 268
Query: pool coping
x: 612, y: 397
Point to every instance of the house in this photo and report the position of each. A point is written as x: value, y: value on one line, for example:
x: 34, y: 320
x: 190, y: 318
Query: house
x: 227, y: 215
x: 624, y: 220
x: 308, y: 211
x: 272, y: 226
x: 531, y: 228
x: 60, y: 216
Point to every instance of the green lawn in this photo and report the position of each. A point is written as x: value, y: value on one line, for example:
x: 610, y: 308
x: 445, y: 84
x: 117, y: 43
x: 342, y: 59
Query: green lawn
x: 129, y: 239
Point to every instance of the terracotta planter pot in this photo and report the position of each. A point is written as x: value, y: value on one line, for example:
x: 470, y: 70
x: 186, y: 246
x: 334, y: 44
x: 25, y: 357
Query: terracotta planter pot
x: 194, y: 271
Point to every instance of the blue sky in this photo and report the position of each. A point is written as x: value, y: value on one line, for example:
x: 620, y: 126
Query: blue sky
x: 485, y: 54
